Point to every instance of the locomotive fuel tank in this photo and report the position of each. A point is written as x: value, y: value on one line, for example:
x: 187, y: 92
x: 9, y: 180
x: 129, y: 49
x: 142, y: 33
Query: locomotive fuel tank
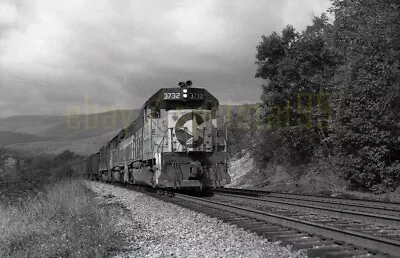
x: 143, y: 176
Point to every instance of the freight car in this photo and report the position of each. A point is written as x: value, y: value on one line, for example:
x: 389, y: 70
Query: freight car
x: 87, y: 168
x: 174, y: 143
x: 80, y: 167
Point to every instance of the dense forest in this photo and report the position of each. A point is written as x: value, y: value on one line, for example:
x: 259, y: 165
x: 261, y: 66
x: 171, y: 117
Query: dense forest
x: 332, y: 94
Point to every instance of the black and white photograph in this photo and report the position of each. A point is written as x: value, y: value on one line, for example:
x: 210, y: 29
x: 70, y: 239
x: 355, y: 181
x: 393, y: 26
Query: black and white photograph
x: 215, y: 128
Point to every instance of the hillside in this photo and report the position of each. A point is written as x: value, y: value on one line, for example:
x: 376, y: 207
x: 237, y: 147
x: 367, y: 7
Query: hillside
x: 82, y: 134
x: 63, y: 128
x: 83, y: 146
x: 36, y: 125
x: 7, y: 138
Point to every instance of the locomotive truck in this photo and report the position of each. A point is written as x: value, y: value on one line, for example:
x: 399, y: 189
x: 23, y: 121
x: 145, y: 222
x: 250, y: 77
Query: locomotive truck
x: 174, y: 143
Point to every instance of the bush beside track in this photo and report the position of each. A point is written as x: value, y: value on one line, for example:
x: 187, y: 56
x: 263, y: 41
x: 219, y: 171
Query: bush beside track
x: 64, y: 220
x: 48, y: 213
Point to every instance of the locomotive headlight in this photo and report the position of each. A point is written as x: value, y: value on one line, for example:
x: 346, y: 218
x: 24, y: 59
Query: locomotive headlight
x: 185, y: 95
x: 184, y: 90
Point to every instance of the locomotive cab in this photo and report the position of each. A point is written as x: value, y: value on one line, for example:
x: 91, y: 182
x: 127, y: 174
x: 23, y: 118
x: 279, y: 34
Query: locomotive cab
x: 187, y: 146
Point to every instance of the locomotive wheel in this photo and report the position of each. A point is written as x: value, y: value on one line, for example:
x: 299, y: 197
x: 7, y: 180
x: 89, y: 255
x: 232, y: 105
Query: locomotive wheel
x: 160, y: 191
x: 171, y: 194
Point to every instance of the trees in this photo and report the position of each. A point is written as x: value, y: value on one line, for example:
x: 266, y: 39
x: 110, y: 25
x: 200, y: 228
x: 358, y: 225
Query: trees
x: 298, y: 68
x: 15, y: 166
x: 368, y: 135
x: 354, y: 61
x: 242, y: 122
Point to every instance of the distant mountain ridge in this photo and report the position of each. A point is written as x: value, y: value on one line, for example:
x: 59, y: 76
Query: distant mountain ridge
x: 83, y: 134
x: 7, y: 138
x: 53, y: 134
x: 74, y: 127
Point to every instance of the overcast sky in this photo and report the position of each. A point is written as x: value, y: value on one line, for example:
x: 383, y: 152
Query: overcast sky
x: 117, y: 53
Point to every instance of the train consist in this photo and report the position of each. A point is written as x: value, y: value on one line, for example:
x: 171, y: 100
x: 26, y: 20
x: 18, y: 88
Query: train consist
x: 173, y: 144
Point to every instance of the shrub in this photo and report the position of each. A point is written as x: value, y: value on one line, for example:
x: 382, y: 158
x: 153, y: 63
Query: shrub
x: 61, y: 221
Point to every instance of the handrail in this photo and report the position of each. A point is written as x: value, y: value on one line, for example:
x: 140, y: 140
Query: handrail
x: 154, y: 123
x: 162, y: 141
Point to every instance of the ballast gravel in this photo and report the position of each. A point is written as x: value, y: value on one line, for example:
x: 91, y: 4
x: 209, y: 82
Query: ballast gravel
x: 158, y: 229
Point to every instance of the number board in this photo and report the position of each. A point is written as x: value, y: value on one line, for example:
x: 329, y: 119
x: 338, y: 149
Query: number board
x: 172, y: 95
x: 195, y: 96
x: 178, y: 94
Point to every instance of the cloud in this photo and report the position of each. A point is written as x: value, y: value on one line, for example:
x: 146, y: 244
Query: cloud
x: 300, y: 12
x: 8, y: 13
x: 120, y: 52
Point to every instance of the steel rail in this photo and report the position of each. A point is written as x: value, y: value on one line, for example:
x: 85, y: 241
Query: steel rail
x: 340, y: 205
x: 367, y: 203
x: 354, y: 215
x: 351, y: 201
x: 368, y: 241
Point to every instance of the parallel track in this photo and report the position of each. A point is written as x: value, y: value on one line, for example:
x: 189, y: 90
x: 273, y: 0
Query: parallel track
x: 387, y: 206
x: 320, y: 238
x: 360, y: 239
x: 344, y: 211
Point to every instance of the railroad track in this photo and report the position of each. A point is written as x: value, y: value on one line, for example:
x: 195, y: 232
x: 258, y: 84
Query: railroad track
x: 353, y: 204
x: 320, y: 235
x: 319, y: 238
x: 345, y: 211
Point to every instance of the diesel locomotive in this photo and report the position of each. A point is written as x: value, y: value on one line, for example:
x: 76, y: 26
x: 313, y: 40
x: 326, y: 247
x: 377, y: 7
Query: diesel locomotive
x: 174, y: 143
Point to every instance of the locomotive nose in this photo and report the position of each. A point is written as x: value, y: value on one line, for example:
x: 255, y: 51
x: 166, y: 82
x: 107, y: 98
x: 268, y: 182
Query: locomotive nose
x: 193, y: 129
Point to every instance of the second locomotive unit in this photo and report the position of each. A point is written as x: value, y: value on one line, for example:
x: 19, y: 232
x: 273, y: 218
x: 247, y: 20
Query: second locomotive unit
x: 174, y: 143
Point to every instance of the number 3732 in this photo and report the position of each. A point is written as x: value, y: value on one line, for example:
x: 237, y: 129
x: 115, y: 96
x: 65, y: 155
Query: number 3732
x: 172, y: 95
